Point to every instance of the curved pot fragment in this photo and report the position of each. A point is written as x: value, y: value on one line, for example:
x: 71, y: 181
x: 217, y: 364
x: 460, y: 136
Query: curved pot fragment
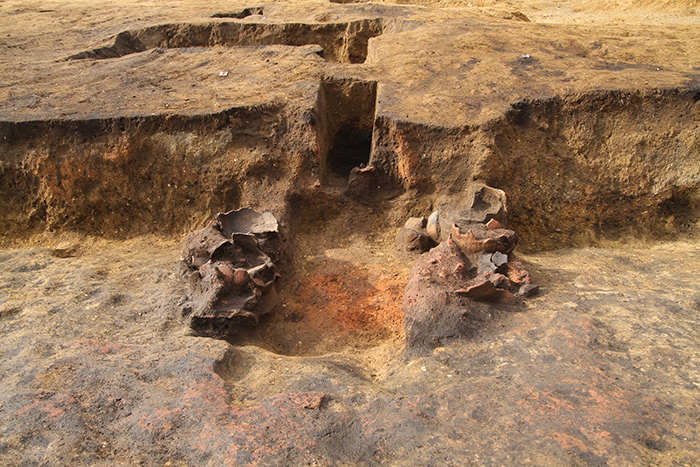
x: 232, y: 280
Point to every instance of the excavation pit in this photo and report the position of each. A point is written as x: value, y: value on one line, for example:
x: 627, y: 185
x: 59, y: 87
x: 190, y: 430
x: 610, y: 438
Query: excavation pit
x: 346, y: 285
x: 340, y: 42
x: 346, y: 281
x: 346, y: 110
x: 106, y: 165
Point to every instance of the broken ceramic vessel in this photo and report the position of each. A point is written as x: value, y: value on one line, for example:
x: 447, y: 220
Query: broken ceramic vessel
x: 478, y: 205
x: 454, y: 288
x: 479, y: 215
x: 232, y: 276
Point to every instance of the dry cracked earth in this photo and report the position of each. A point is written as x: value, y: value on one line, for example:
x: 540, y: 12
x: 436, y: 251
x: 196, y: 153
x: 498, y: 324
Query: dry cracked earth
x: 126, y: 125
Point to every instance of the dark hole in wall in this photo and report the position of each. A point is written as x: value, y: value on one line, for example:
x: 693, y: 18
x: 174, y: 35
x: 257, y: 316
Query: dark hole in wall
x: 346, y: 113
x: 350, y: 148
x: 680, y: 207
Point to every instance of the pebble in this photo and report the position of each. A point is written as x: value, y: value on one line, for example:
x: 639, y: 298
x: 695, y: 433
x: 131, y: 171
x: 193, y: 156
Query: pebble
x: 500, y: 281
x: 240, y: 278
x: 433, y: 227
x: 528, y: 290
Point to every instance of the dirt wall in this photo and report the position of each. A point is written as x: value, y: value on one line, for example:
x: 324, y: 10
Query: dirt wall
x: 162, y: 174
x: 576, y: 170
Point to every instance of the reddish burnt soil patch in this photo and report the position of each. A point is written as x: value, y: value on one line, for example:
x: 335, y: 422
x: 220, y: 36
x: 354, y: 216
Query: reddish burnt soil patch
x: 345, y: 300
x: 332, y: 306
x: 342, y: 278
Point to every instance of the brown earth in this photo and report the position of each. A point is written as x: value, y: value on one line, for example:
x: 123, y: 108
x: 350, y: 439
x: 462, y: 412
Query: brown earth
x: 126, y: 125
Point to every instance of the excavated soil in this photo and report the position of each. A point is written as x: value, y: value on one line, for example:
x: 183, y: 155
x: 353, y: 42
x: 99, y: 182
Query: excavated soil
x: 125, y: 126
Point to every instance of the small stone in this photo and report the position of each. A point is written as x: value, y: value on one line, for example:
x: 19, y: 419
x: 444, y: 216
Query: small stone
x: 362, y: 182
x: 240, y: 278
x: 528, y: 290
x: 433, y: 226
x: 416, y: 223
x: 413, y: 241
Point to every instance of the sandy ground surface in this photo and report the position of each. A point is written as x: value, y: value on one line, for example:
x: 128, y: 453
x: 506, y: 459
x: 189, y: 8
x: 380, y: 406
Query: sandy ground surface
x: 97, y: 367
x: 455, y: 68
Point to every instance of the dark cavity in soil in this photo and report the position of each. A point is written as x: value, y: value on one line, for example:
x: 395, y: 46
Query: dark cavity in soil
x: 351, y: 148
x: 347, y: 112
x: 240, y: 14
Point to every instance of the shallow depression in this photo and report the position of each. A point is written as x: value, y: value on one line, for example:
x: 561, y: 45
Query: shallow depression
x: 344, y: 42
x: 346, y: 288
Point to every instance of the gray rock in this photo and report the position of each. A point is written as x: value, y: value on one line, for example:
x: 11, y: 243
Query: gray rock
x: 411, y: 240
x: 499, y: 259
x: 484, y: 264
x: 528, y: 290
